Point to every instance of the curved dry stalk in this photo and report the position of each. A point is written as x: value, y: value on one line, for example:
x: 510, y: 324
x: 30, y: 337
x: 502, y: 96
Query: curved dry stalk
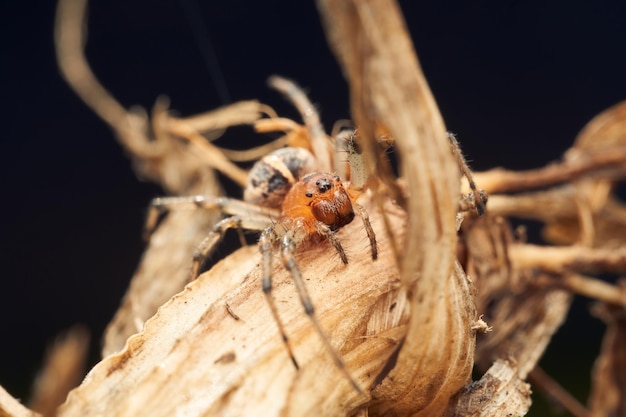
x: 69, y: 39
x: 556, y: 393
x: 212, y: 154
x: 242, y: 112
x: 388, y: 90
x: 608, y: 394
x: 164, y: 268
x: 10, y: 407
x: 604, y: 163
x: 588, y: 287
x: 255, y: 153
x: 63, y: 369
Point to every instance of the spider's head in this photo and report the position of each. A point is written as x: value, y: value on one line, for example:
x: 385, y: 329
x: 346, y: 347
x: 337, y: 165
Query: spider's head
x: 324, y: 198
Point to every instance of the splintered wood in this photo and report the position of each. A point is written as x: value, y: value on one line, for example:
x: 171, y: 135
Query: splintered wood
x: 450, y: 292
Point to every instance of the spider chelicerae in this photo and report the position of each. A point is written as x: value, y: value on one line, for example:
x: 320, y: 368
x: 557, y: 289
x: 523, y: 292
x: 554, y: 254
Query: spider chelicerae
x: 293, y: 199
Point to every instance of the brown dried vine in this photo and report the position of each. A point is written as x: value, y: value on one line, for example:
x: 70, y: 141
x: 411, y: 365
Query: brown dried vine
x: 406, y: 324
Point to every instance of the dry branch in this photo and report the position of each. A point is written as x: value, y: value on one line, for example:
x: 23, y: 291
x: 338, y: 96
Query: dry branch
x: 63, y: 369
x: 389, y: 93
x: 10, y: 407
x: 500, y: 392
x: 608, y: 395
x: 158, y: 155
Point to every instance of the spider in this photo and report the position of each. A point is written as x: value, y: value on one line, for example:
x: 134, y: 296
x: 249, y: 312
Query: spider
x: 292, y: 204
x: 293, y: 199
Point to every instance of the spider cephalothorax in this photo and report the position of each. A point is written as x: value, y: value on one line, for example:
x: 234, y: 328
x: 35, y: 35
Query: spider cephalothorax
x: 319, y: 197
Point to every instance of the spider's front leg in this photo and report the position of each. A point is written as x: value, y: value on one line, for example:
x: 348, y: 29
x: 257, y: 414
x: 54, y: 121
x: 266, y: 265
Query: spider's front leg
x: 266, y: 246
x: 206, y: 247
x: 329, y: 235
x: 243, y: 216
x: 287, y: 250
x: 365, y: 218
x: 162, y: 205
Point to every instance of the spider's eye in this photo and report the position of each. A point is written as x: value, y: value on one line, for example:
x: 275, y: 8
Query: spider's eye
x: 323, y: 185
x: 309, y: 194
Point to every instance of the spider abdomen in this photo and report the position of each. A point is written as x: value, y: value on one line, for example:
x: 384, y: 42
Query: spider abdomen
x: 272, y: 176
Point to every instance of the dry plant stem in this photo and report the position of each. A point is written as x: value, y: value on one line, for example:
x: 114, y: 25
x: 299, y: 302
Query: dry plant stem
x: 603, y: 163
x: 500, y: 392
x: 70, y: 43
x: 208, y: 151
x: 10, y: 407
x: 550, y: 205
x: 576, y: 258
x: 224, y: 117
x: 556, y: 393
x: 604, y: 131
x: 388, y: 89
x: 524, y: 323
x: 164, y: 268
x: 588, y: 287
x: 608, y: 394
x: 63, y: 370
x: 256, y: 153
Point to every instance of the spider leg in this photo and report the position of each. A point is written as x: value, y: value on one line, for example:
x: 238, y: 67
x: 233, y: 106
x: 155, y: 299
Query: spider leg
x: 329, y: 235
x: 209, y: 243
x: 362, y: 213
x: 160, y: 206
x: 479, y: 196
x: 288, y: 247
x: 266, y: 243
x: 319, y: 140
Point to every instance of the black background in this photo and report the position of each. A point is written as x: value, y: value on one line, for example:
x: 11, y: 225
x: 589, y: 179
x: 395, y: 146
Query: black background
x: 516, y: 80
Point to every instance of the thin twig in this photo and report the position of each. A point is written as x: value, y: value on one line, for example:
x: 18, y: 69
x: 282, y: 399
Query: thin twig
x: 589, y: 287
x: 237, y: 113
x: 607, y: 162
x: 63, y: 369
x: 576, y: 258
x: 211, y: 153
x: 70, y: 41
x: 556, y: 392
x: 253, y: 154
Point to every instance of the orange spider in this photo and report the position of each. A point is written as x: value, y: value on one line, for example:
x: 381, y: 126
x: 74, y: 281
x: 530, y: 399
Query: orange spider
x: 292, y: 204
